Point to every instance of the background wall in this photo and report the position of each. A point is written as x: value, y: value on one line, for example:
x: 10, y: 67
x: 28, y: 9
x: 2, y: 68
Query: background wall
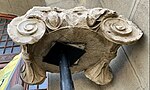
x: 130, y: 67
x: 18, y: 7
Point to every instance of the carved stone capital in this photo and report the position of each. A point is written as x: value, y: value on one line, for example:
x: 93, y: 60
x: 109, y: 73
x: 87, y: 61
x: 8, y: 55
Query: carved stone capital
x: 26, y: 31
x: 99, y: 31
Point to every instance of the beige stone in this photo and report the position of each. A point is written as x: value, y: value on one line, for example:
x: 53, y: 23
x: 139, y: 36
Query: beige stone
x: 5, y: 6
x: 100, y: 31
x: 26, y: 31
x: 123, y: 7
x: 19, y: 7
x: 138, y: 53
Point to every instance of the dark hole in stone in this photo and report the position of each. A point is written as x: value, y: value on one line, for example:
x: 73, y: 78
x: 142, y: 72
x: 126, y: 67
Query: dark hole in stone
x: 79, y: 13
x: 109, y: 32
x: 54, y: 55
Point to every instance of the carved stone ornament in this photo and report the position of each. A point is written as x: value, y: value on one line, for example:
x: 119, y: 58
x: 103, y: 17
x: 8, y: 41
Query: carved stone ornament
x: 99, y: 31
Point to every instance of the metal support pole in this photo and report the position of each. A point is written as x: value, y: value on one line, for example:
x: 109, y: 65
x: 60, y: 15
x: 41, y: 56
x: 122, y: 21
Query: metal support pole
x: 66, y: 82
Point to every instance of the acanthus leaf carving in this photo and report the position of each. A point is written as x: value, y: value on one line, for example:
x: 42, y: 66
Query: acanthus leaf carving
x: 100, y: 73
x: 100, y: 31
x: 31, y: 72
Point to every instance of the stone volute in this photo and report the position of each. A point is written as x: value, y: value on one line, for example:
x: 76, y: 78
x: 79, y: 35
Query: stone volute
x: 99, y: 31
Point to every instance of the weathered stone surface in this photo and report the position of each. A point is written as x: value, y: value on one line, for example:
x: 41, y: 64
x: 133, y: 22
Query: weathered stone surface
x: 19, y: 7
x: 124, y: 75
x: 139, y: 53
x: 26, y: 31
x: 123, y: 7
x: 122, y: 32
x: 66, y: 4
x: 121, y: 69
x: 100, y: 31
x: 32, y: 3
x: 5, y: 7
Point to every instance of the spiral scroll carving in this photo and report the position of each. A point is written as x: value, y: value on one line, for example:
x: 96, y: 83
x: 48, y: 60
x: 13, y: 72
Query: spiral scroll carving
x: 26, y: 31
x: 100, y: 31
x: 27, y: 27
x: 120, y: 31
